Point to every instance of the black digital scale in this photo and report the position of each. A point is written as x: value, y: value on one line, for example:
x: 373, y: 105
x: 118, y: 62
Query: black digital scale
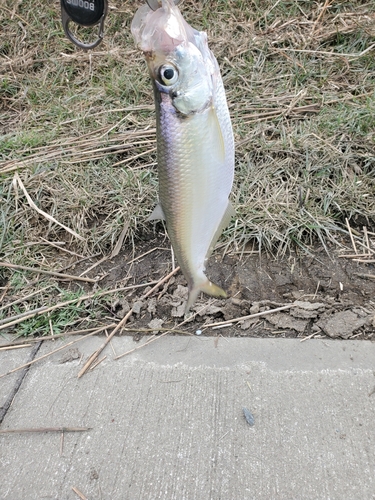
x: 84, y: 13
x: 89, y: 13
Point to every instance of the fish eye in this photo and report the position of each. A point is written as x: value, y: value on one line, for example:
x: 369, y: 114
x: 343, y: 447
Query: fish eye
x: 168, y: 74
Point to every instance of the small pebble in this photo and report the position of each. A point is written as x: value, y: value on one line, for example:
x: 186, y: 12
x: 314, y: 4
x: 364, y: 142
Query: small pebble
x: 198, y: 332
x: 248, y: 416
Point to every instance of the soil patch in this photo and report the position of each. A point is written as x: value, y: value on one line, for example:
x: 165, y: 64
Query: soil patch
x: 328, y: 295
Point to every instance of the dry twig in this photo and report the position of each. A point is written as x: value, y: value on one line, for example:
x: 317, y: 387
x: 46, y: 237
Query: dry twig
x: 55, y: 336
x: 45, y: 429
x: 351, y: 235
x: 79, y: 493
x: 56, y: 274
x: 10, y: 347
x: 14, y: 320
x: 122, y: 323
x: 93, y: 356
x: 159, y: 283
x: 52, y: 352
x: 41, y: 212
x: 250, y: 316
x: 24, y: 299
x: 366, y: 276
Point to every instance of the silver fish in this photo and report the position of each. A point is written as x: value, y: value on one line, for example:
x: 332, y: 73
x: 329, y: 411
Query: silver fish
x: 195, y: 145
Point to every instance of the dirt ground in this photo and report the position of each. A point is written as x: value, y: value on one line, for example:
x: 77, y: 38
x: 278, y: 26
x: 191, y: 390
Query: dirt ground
x: 325, y: 294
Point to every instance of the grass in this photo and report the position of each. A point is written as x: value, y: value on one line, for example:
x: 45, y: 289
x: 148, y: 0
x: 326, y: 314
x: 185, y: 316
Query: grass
x: 50, y: 324
x: 79, y: 127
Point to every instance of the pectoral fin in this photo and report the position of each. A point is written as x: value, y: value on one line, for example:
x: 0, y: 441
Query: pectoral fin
x: 157, y: 214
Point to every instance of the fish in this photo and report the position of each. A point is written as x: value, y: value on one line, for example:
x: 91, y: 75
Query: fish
x: 195, y: 144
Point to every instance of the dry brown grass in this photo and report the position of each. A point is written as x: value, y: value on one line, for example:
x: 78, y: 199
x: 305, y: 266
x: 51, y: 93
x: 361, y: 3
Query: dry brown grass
x: 79, y: 127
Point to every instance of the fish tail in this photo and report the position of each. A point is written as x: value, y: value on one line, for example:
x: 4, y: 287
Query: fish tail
x: 206, y: 287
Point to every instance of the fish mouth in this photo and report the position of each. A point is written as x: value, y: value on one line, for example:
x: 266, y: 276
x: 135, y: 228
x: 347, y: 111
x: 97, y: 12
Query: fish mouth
x: 161, y: 30
x: 168, y: 41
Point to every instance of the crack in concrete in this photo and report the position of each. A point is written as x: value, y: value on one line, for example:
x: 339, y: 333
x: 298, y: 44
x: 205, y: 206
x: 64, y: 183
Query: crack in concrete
x: 4, y: 409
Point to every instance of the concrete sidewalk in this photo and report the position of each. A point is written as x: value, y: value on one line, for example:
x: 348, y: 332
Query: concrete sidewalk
x: 166, y: 422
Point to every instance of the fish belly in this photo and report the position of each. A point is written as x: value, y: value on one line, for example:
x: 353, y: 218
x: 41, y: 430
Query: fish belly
x: 195, y: 163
